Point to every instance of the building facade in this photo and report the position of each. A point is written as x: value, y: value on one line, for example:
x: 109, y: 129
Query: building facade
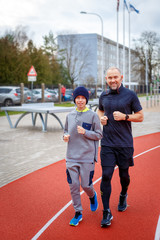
x: 85, y: 57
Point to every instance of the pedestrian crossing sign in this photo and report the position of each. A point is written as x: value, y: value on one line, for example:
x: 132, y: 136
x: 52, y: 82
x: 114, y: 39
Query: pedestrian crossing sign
x: 32, y: 72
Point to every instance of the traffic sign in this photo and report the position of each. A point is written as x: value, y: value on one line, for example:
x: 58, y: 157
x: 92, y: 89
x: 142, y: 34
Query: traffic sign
x: 32, y: 78
x: 32, y: 72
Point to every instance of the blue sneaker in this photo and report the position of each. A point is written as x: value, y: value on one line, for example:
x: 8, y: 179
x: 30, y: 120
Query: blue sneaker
x: 94, y: 203
x: 77, y: 218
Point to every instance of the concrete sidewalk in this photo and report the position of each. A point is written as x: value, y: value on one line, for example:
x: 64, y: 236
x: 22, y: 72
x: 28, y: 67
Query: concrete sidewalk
x: 26, y: 148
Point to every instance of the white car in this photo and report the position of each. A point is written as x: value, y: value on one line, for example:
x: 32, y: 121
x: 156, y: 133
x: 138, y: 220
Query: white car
x: 99, y: 91
x: 55, y: 94
x: 31, y: 97
x: 48, y: 97
x: 10, y: 96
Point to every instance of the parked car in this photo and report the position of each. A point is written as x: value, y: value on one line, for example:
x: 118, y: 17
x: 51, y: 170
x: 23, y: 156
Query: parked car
x: 99, y: 91
x: 55, y: 94
x: 91, y: 92
x: 68, y: 95
x: 48, y: 97
x: 10, y: 96
x: 25, y: 90
x: 31, y: 97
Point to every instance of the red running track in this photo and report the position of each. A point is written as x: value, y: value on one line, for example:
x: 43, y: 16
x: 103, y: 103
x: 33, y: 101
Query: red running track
x: 28, y: 203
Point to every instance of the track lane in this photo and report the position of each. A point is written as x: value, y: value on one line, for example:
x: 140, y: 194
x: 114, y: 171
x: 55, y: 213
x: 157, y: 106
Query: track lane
x: 28, y: 203
x: 138, y: 222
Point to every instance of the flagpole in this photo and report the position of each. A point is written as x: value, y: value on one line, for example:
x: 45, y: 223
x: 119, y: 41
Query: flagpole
x: 146, y: 78
x: 118, y: 33
x: 129, y: 55
x: 123, y: 43
x: 131, y: 8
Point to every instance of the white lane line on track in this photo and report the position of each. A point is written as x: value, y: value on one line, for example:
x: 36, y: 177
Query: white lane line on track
x: 157, y: 234
x: 70, y: 202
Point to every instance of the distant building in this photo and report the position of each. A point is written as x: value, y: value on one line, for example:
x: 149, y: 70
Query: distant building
x: 77, y: 45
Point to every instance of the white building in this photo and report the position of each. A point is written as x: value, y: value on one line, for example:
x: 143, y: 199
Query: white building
x: 83, y: 56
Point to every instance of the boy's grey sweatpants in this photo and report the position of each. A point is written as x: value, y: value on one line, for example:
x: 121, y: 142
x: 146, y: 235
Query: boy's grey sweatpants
x: 75, y: 172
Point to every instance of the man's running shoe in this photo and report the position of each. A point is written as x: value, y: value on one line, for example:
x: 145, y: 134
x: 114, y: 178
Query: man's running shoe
x: 122, y: 206
x: 94, y: 203
x: 107, y: 217
x: 77, y: 218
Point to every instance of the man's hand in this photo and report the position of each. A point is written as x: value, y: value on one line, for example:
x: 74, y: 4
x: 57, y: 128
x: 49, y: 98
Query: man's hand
x: 104, y: 120
x: 118, y: 116
x: 81, y: 130
x: 66, y: 138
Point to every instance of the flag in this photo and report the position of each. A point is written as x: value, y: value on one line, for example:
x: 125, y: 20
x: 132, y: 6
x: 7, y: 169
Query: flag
x: 117, y: 5
x: 132, y: 8
x: 126, y: 5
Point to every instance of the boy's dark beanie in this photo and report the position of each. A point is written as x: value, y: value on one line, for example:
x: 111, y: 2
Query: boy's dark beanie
x: 81, y: 91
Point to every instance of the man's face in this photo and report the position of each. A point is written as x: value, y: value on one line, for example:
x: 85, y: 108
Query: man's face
x: 114, y: 79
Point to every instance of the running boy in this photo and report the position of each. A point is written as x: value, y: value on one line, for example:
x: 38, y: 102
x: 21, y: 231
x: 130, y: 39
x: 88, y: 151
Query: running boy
x: 82, y: 133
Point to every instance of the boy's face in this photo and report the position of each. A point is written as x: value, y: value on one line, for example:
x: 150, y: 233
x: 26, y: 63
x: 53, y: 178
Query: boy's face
x: 80, y: 102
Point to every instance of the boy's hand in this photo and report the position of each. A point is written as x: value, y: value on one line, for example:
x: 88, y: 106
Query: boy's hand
x: 81, y: 130
x: 104, y: 120
x: 66, y: 138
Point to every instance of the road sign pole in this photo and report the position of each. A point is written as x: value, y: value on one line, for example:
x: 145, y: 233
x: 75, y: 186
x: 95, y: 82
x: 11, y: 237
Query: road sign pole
x: 32, y: 91
x: 32, y: 77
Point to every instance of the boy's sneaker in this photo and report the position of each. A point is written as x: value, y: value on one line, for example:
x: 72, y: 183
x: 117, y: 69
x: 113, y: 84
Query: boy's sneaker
x: 77, y: 218
x: 94, y: 203
x: 122, y: 206
x: 107, y: 217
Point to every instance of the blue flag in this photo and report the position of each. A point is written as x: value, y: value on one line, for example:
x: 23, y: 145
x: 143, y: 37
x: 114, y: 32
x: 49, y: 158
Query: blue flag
x: 126, y: 5
x: 132, y: 8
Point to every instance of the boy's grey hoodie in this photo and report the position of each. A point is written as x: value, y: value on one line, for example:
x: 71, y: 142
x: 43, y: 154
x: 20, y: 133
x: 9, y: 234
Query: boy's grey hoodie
x: 83, y: 148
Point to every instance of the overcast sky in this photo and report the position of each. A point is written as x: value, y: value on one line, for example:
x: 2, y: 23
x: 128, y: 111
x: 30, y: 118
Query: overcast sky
x: 61, y: 16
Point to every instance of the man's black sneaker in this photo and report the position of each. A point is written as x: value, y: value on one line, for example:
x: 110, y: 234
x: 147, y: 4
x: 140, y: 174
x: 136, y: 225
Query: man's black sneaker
x: 122, y: 206
x: 107, y: 217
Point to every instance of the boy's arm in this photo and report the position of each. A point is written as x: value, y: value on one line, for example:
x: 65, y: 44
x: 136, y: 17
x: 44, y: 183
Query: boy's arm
x: 96, y: 132
x: 65, y: 134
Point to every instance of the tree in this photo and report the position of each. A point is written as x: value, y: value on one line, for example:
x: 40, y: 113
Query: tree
x: 149, y: 43
x: 75, y: 57
x: 13, y: 57
x: 57, y: 69
x: 18, y: 54
x: 50, y: 46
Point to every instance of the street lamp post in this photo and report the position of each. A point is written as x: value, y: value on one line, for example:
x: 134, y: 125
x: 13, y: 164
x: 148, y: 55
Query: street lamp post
x: 101, y: 39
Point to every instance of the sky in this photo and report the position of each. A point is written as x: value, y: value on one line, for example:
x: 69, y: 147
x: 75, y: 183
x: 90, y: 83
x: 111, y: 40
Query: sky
x: 39, y: 17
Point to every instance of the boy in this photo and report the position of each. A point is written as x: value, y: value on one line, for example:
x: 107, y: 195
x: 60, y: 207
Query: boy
x: 82, y: 133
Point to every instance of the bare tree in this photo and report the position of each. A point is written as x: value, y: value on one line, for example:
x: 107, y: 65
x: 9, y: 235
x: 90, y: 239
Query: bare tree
x: 148, y: 45
x: 76, y: 57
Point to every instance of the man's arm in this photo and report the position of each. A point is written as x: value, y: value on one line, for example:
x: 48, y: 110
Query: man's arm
x: 135, y: 117
x: 100, y: 113
x: 103, y: 119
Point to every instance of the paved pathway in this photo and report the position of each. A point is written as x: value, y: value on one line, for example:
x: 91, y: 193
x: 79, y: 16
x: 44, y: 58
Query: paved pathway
x: 26, y: 148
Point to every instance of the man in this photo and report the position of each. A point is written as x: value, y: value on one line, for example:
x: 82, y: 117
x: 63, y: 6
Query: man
x: 118, y: 107
x: 63, y: 92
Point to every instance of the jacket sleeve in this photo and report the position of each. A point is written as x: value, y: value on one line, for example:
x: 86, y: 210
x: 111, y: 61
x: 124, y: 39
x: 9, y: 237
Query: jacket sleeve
x: 66, y: 126
x: 96, y: 132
